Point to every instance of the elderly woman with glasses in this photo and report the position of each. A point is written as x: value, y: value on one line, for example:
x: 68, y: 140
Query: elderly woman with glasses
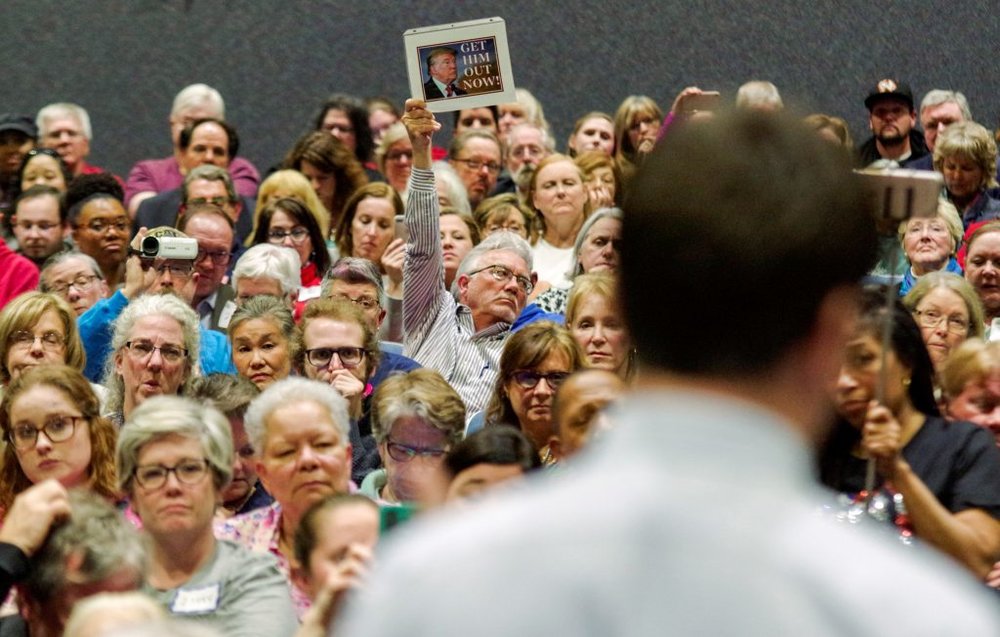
x: 174, y: 459
x: 416, y: 418
x: 948, y: 312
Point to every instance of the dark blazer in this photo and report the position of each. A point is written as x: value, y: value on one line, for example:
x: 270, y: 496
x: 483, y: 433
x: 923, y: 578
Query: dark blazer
x: 225, y: 297
x: 432, y: 92
x: 162, y: 210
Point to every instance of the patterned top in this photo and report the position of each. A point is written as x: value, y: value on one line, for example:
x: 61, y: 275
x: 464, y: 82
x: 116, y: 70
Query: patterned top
x: 440, y: 333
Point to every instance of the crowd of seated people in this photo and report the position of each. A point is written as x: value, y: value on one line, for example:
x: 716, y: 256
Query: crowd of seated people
x: 381, y: 328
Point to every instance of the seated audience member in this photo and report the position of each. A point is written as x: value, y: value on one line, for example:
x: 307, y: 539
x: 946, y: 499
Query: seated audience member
x: 112, y: 614
x: 99, y: 223
x: 334, y: 545
x: 66, y: 128
x: 382, y: 114
x: 38, y: 224
x: 930, y: 244
x: 150, y: 277
x: 18, y: 135
x: 948, y: 312
x: 299, y: 428
x: 561, y: 201
x: 212, y: 228
x: 578, y: 410
x: 893, y: 124
x: 525, y: 110
x: 367, y: 230
x: 597, y: 249
x: 506, y: 212
x: 487, y: 458
x: 152, y: 176
x: 601, y: 178
x: 416, y: 418
x: 174, y: 459
x: 270, y: 270
x: 38, y: 329
x: 944, y: 472
x: 535, y: 361
x: 52, y: 424
x: 450, y: 189
x: 204, y: 184
x: 261, y: 334
x: 938, y: 110
x: 833, y: 129
x: 44, y: 167
x: 394, y: 157
x: 484, y: 118
x: 335, y: 344
x: 966, y: 154
x: 94, y: 550
x: 26, y: 524
x: 970, y: 382
x: 459, y: 336
x: 459, y: 235
x: 346, y: 118
x: 476, y: 157
x: 759, y: 94
x: 291, y: 183
x: 525, y: 146
x: 287, y: 222
x: 595, y: 319
x: 74, y: 277
x: 232, y: 395
x: 154, y: 351
x: 593, y: 131
x: 637, y: 123
x: 331, y: 168
x: 982, y: 270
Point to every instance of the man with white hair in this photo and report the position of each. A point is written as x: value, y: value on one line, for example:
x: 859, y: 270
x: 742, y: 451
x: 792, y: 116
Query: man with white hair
x: 939, y: 109
x: 65, y: 128
x: 151, y: 176
x: 526, y: 146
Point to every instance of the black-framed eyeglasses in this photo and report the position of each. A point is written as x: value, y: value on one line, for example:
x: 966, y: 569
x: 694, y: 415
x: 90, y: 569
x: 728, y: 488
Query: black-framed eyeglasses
x: 349, y: 356
x: 364, y: 302
x: 277, y: 237
x: 57, y: 429
x: 405, y: 453
x: 141, y: 350
x: 528, y: 379
x: 218, y: 257
x: 188, y: 471
x: 81, y: 283
x: 503, y: 273
x: 98, y: 226
x: 51, y: 341
x: 475, y: 165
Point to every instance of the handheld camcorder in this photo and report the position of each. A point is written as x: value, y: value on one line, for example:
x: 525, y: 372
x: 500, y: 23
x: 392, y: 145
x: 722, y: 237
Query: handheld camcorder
x: 180, y: 248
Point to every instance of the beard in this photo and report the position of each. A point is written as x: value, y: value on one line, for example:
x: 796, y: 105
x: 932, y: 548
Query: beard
x: 891, y: 137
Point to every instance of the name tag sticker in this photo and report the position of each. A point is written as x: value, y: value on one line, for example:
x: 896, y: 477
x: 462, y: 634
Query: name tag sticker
x: 196, y: 601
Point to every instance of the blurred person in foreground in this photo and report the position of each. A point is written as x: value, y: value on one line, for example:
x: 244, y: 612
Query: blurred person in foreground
x: 715, y: 201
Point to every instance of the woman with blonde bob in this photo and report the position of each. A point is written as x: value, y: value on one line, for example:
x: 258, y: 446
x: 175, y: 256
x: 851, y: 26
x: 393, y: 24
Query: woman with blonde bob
x: 930, y: 244
x: 291, y: 183
x: 51, y: 413
x: 38, y: 328
x: 506, y: 212
x: 970, y: 384
x: 966, y: 154
x: 948, y: 312
x: 594, y: 317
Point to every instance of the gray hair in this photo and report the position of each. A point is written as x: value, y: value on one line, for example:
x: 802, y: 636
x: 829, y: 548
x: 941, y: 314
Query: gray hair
x: 124, y: 610
x: 163, y: 416
x: 150, y: 305
x: 547, y: 142
x: 458, y: 198
x: 96, y: 532
x: 940, y: 96
x: 421, y: 393
x: 957, y: 284
x: 581, y: 236
x: 506, y: 241
x: 758, y: 94
x: 199, y: 95
x: 209, y: 172
x: 62, y: 257
x: 63, y: 109
x: 354, y: 270
x: 268, y: 308
x: 289, y: 391
x: 273, y: 262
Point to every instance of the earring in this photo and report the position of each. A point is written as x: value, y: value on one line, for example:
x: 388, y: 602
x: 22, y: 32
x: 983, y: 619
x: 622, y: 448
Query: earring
x: 906, y: 383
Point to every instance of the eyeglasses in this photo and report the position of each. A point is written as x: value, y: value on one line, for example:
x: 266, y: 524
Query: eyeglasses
x: 528, y: 379
x: 932, y: 318
x: 51, y: 341
x: 218, y: 257
x: 503, y: 273
x: 475, y: 165
x: 43, y: 226
x: 81, y: 283
x: 218, y: 201
x: 364, y: 302
x: 57, y: 429
x: 399, y: 155
x: 141, y: 350
x: 98, y: 226
x: 277, y: 237
x: 154, y: 476
x: 322, y: 356
x: 527, y: 151
x: 510, y: 227
x: 177, y: 269
x: 405, y: 453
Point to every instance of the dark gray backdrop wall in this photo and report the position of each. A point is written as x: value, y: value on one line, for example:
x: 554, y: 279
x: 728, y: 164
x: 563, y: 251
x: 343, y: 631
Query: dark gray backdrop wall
x: 274, y: 62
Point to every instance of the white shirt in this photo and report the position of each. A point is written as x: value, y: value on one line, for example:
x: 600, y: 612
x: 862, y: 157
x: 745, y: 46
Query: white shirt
x: 697, y: 516
x: 552, y: 264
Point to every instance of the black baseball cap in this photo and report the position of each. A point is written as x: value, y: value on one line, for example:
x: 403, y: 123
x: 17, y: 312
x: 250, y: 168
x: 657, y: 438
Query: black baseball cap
x: 889, y: 88
x: 19, y: 123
